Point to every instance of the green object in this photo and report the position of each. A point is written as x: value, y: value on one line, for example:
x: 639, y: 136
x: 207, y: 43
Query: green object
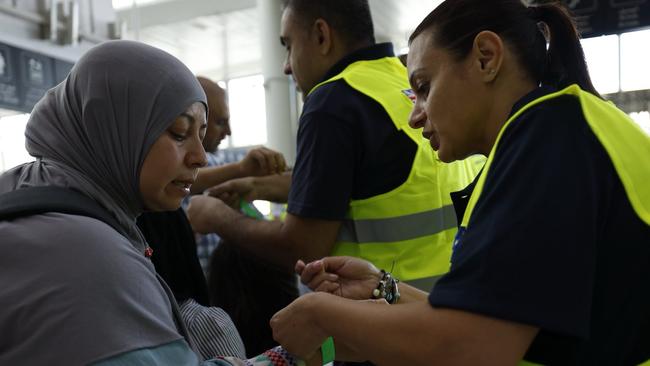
x: 247, y: 209
x: 327, y: 351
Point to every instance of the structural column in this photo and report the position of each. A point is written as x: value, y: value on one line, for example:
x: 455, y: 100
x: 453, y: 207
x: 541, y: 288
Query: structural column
x: 276, y: 84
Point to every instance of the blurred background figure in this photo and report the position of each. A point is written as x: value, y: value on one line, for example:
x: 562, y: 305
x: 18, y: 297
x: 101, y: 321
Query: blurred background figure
x: 250, y: 290
x: 218, y: 129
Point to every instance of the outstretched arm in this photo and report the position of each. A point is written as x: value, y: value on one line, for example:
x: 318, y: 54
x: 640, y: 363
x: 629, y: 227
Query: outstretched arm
x: 349, y: 277
x: 274, y: 188
x: 408, y: 334
x: 257, y: 162
x: 282, y: 243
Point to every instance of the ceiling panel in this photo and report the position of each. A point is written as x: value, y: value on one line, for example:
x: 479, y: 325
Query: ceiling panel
x: 226, y: 44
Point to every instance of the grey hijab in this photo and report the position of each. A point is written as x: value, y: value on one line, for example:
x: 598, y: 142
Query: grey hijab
x: 92, y: 132
x: 73, y: 290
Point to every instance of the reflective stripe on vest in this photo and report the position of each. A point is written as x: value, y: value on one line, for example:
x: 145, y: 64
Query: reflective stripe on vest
x: 411, y: 227
x: 399, y: 228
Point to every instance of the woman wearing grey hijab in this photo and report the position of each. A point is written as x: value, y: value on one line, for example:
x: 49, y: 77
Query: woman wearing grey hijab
x: 125, y: 129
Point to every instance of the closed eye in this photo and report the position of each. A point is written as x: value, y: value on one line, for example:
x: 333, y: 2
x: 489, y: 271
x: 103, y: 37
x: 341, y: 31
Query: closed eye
x: 422, y: 90
x: 177, y: 137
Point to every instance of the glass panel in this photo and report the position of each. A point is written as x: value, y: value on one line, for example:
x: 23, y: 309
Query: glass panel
x: 601, y: 54
x: 643, y: 119
x: 247, y: 111
x: 12, y: 141
x: 635, y: 55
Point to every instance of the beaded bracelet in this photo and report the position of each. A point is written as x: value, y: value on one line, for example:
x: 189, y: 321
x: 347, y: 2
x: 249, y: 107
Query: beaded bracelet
x: 387, y: 288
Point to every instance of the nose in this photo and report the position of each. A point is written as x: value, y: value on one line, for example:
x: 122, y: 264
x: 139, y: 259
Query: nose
x: 227, y: 129
x: 287, y: 67
x: 418, y: 117
x: 195, y: 157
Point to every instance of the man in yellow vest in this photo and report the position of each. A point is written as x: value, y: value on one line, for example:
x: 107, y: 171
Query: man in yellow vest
x: 364, y: 183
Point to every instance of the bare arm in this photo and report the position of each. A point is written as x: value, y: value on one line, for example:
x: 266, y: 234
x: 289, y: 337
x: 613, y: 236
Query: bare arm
x: 349, y: 277
x: 408, y: 334
x: 274, y: 188
x: 257, y: 162
x: 214, y: 175
x: 283, y: 243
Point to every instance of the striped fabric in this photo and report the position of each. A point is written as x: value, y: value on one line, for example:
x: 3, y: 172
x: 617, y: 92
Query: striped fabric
x: 206, y: 244
x: 212, y: 331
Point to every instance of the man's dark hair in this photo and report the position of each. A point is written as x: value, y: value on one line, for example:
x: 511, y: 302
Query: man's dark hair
x: 350, y: 18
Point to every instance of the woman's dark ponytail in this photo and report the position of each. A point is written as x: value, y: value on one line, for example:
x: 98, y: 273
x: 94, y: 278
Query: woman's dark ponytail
x: 565, y: 59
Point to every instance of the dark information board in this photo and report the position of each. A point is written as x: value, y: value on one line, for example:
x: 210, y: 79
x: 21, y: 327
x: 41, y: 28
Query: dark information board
x: 602, y: 17
x: 25, y: 76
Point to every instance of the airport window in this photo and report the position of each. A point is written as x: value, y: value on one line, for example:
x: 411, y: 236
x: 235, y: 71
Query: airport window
x: 635, y: 55
x: 643, y: 119
x: 601, y: 54
x: 247, y: 111
x: 12, y: 141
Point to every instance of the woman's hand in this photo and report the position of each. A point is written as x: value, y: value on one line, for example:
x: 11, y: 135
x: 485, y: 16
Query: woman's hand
x: 296, y: 327
x: 302, y: 326
x: 348, y: 277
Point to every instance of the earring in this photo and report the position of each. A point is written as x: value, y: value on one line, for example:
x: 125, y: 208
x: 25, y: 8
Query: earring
x: 491, y: 71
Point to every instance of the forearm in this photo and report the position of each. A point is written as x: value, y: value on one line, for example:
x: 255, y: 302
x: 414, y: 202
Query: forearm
x: 409, y: 294
x: 274, y: 188
x: 212, y: 176
x: 265, y: 239
x: 417, y: 334
x: 383, y: 333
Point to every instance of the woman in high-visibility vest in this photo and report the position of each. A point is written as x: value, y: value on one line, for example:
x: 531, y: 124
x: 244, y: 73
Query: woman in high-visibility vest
x: 551, y: 263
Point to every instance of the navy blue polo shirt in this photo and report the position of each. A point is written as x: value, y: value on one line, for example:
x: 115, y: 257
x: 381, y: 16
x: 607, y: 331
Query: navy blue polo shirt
x: 348, y: 147
x: 554, y: 242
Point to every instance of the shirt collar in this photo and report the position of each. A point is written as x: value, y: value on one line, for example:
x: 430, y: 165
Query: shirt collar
x: 534, y: 94
x: 374, y: 52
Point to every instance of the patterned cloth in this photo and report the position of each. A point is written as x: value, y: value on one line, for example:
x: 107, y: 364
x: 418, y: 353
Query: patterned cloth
x: 212, y: 331
x: 179, y: 353
x: 274, y: 357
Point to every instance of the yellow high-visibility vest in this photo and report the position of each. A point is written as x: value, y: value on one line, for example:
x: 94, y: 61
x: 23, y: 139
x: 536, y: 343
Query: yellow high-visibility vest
x: 411, y: 227
x: 623, y: 140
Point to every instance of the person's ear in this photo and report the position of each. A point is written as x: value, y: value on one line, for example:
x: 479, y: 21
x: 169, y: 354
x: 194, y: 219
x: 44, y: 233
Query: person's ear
x: 323, y: 34
x: 487, y: 52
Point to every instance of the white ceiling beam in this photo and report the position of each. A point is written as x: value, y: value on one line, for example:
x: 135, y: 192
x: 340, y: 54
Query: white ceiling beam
x: 159, y: 13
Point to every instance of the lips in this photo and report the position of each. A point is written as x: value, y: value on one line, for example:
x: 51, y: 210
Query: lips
x: 434, y: 139
x: 183, y: 185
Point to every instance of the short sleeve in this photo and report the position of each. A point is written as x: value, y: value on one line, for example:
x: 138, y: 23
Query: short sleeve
x: 324, y: 172
x: 212, y: 330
